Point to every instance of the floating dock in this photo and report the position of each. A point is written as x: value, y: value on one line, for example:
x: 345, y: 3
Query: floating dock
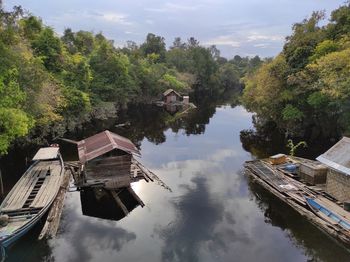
x: 326, y: 213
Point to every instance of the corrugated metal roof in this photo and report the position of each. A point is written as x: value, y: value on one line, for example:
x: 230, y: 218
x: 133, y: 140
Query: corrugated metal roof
x: 102, y: 143
x: 46, y: 153
x: 338, y: 156
x: 169, y: 91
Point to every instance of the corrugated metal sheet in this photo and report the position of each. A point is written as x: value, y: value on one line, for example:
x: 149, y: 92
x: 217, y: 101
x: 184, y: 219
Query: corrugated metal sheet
x: 102, y: 143
x: 46, y: 153
x: 338, y: 156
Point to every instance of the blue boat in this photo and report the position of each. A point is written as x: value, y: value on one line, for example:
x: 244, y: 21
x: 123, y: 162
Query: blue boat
x: 327, y: 214
x: 32, y: 195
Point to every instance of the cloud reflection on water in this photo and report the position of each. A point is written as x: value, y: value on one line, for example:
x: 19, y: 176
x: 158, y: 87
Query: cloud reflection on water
x: 198, y: 215
x: 85, y: 238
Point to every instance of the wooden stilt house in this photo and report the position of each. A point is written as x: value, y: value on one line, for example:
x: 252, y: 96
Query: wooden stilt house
x: 171, y: 96
x: 107, y: 160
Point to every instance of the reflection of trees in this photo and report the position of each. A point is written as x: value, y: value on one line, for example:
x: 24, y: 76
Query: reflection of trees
x: 264, y: 140
x: 267, y: 139
x: 149, y: 121
x: 303, y: 234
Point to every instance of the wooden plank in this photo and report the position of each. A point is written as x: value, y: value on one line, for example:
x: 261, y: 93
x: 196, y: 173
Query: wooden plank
x: 41, y: 193
x: 138, y: 199
x: 119, y: 202
x: 318, y: 222
x: 15, y: 192
x: 50, y: 188
x: 23, y: 192
x: 49, y: 182
x: 53, y: 219
x: 45, y: 183
x: 51, y: 191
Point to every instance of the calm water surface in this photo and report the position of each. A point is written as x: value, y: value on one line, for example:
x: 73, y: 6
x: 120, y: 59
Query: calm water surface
x: 214, y: 212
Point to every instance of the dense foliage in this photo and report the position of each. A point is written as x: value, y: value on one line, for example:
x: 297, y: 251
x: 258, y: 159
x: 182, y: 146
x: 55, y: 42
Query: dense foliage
x: 307, y: 86
x: 49, y: 84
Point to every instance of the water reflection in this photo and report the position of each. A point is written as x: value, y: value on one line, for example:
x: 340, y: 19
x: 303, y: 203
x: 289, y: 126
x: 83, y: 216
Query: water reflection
x: 203, y: 224
x: 100, y: 203
x: 213, y: 214
x: 197, y: 215
x: 85, y: 238
x: 267, y: 139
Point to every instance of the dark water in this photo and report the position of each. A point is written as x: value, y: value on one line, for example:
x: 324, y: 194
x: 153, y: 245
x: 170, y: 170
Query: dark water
x: 214, y: 212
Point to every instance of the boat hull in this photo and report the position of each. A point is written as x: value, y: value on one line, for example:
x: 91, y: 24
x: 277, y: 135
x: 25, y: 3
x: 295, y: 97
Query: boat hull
x: 31, y: 215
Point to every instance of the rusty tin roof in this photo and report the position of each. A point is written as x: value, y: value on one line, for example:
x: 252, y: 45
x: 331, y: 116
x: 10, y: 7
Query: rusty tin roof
x: 102, y: 143
x: 169, y: 91
x: 338, y: 156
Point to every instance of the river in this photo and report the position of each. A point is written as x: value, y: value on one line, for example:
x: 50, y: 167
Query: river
x: 213, y: 212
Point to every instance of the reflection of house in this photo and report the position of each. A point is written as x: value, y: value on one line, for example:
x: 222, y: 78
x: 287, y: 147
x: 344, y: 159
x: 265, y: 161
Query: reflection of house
x: 172, y: 108
x: 171, y: 96
x: 106, y: 160
x: 337, y: 159
x: 108, y: 204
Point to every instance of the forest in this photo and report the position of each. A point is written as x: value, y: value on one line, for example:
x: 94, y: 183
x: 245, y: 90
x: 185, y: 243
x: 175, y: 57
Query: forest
x: 51, y: 83
x: 307, y: 85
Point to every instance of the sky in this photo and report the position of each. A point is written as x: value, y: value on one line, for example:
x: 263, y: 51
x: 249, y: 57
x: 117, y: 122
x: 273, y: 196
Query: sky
x: 243, y: 27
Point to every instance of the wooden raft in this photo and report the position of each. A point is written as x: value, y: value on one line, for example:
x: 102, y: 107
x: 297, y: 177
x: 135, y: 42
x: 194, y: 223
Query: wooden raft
x: 272, y: 180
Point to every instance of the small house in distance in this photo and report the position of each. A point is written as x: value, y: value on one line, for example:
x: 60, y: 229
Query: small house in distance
x: 171, y: 96
x: 337, y: 159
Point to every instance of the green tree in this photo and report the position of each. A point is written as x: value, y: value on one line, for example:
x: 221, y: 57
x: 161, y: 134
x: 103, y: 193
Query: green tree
x: 49, y: 48
x: 154, y: 45
x: 300, y: 45
x: 111, y: 81
x: 14, y: 122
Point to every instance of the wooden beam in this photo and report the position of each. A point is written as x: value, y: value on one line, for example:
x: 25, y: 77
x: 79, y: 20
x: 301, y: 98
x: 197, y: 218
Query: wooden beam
x: 138, y: 199
x: 119, y: 202
x: 53, y: 219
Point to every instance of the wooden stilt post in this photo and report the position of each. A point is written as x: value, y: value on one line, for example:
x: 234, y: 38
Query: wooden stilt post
x: 132, y: 192
x: 119, y: 202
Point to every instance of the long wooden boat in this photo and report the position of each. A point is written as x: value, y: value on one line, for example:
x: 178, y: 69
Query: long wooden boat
x: 31, y: 196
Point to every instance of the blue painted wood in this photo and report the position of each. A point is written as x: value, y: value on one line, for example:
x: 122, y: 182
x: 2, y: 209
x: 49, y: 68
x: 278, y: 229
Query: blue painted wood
x: 314, y: 205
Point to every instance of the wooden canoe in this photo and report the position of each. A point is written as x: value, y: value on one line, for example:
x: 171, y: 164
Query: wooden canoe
x: 327, y: 215
x: 31, y: 196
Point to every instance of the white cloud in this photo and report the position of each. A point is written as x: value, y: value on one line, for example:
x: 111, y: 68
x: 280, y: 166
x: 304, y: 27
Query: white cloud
x: 262, y: 45
x: 222, y: 154
x: 256, y: 37
x: 96, y: 16
x: 171, y: 7
x: 115, y: 18
x: 224, y: 40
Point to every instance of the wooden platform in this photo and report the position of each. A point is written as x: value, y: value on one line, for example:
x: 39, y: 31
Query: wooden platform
x: 293, y: 193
